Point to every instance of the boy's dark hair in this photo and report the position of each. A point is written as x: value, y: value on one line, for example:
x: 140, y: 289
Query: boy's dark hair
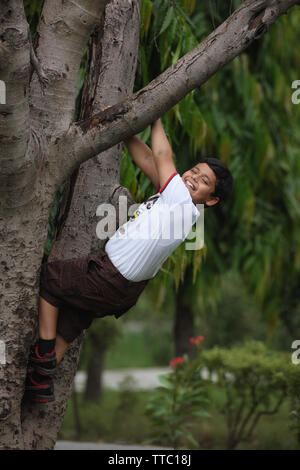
x: 224, y: 179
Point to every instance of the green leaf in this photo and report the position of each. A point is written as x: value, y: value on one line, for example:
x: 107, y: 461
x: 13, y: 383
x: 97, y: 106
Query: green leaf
x: 170, y: 17
x: 165, y: 380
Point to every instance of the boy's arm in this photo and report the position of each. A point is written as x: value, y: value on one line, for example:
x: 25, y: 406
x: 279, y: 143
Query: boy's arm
x: 162, y: 153
x: 143, y: 157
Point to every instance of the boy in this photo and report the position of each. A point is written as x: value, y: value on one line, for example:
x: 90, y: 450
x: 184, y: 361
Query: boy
x: 110, y: 282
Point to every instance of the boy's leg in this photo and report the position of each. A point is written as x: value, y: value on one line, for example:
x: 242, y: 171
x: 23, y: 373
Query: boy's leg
x: 42, y: 355
x: 48, y: 315
x: 47, y: 320
x: 61, y: 347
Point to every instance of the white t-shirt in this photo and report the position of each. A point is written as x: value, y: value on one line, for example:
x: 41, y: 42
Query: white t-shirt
x: 139, y: 247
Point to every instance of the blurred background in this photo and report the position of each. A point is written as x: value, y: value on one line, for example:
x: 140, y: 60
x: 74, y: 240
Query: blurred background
x: 241, y: 291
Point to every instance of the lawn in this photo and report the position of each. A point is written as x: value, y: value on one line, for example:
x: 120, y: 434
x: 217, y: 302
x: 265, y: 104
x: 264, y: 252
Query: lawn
x: 120, y: 417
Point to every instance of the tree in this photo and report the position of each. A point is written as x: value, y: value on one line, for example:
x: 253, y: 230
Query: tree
x: 41, y: 147
x: 245, y: 116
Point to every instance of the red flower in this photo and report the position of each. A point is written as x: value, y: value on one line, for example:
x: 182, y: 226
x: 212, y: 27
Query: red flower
x: 196, y: 341
x: 177, y: 360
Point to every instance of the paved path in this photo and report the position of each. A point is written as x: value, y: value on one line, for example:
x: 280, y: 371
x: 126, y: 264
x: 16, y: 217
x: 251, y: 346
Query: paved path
x: 142, y: 379
x: 67, y: 445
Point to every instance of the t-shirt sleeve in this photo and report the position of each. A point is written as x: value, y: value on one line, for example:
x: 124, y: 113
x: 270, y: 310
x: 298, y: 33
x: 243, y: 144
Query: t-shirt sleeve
x: 174, y: 191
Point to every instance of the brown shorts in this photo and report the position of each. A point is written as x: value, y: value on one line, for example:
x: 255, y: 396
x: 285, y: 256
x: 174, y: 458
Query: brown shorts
x: 84, y: 289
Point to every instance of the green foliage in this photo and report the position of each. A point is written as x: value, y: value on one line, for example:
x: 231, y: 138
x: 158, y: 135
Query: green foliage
x: 256, y: 381
x: 101, y: 335
x: 118, y: 417
x: 294, y: 393
x: 173, y: 405
x: 129, y: 401
x: 234, y: 318
x: 98, y: 423
x: 244, y: 116
x: 33, y: 9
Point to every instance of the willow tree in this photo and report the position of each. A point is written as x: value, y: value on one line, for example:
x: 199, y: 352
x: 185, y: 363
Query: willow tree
x: 245, y: 115
x: 41, y: 146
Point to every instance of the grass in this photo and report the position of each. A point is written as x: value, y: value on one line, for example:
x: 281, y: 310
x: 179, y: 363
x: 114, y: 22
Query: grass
x: 129, y: 351
x: 120, y: 417
x: 271, y: 433
x: 149, y: 347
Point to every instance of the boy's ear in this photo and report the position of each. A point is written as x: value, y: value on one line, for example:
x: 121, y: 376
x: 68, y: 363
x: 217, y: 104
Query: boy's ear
x: 212, y: 201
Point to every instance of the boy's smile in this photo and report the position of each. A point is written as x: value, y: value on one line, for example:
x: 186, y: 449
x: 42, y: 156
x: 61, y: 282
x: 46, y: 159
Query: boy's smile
x: 200, y: 181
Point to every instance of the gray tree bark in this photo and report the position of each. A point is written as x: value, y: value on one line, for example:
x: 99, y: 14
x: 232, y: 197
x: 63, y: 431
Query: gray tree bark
x: 110, y: 78
x: 40, y: 148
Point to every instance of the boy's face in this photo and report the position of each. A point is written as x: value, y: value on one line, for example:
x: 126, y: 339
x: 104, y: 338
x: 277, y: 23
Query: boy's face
x: 200, y: 181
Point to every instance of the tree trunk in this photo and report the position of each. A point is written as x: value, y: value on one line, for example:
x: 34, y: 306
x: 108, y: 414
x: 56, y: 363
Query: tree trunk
x: 76, y: 415
x: 111, y: 77
x: 93, y: 388
x: 184, y: 317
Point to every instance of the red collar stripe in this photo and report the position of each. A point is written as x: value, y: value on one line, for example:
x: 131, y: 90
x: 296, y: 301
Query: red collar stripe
x: 165, y: 185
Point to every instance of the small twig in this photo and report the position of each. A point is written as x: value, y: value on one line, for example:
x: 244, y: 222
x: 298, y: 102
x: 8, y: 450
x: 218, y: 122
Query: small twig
x: 36, y: 66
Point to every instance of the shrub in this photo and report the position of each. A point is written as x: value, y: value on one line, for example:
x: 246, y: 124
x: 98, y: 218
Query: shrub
x: 181, y: 398
x: 255, y: 382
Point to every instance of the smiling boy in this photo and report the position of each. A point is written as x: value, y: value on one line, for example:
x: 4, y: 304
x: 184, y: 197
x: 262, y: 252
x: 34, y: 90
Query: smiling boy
x: 74, y: 292
x: 208, y: 182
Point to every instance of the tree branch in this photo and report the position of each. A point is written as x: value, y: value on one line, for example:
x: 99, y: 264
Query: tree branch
x: 62, y: 34
x: 14, y: 114
x: 265, y: 412
x: 86, y: 139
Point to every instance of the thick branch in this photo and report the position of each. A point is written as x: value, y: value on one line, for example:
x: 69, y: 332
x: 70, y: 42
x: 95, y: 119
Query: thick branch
x: 87, y: 139
x: 14, y: 113
x: 62, y: 34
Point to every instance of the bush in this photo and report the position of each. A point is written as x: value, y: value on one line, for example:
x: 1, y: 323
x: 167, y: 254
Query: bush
x: 256, y: 382
x: 173, y: 406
